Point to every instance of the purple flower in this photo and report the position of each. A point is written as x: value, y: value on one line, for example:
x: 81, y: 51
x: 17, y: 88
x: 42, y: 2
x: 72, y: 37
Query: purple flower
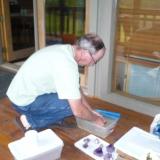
x: 108, y: 156
x: 86, y: 141
x: 85, y: 145
x: 98, y: 151
x: 110, y: 148
x: 97, y: 141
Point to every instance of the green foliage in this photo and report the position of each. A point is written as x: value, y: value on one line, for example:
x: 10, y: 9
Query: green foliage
x: 54, y: 17
x: 52, y: 2
x: 68, y: 3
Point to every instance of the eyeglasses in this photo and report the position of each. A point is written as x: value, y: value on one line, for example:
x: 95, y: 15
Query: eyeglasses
x: 94, y: 61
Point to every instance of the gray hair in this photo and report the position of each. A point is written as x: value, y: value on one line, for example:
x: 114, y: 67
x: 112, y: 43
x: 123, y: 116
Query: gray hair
x: 90, y: 42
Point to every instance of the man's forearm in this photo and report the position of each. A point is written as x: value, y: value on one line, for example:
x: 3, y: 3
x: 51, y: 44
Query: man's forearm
x: 85, y: 111
x: 84, y: 101
x: 81, y: 110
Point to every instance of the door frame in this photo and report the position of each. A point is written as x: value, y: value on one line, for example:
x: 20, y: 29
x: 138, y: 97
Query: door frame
x: 8, y: 52
x: 39, y: 23
x: 1, y: 36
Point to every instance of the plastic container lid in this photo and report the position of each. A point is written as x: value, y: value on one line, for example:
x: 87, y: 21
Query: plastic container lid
x: 24, y: 149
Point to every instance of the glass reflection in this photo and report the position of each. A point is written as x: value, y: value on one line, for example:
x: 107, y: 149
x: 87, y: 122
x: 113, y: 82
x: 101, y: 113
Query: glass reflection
x: 65, y: 21
x: 22, y: 24
x: 137, y: 49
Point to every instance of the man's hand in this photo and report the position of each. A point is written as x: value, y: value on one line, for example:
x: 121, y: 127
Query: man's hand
x: 100, y: 120
x: 84, y: 111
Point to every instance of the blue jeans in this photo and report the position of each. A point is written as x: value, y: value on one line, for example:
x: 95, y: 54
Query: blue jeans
x: 47, y: 109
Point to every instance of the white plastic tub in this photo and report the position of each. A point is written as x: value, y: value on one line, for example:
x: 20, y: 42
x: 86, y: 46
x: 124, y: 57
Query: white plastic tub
x: 49, y: 147
x: 101, y: 131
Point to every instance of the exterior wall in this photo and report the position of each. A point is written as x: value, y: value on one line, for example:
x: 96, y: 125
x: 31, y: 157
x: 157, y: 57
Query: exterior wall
x: 100, y: 77
x: 0, y: 54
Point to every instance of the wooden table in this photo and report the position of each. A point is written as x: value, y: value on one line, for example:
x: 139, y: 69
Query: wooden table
x: 11, y: 131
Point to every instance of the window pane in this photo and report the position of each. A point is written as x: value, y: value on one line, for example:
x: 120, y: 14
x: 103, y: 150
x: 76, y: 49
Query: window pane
x: 137, y: 50
x: 22, y: 24
x: 65, y: 20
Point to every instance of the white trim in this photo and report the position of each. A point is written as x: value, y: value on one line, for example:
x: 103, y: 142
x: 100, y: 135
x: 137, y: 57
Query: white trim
x: 132, y: 104
x: 9, y: 66
x: 92, y: 28
x: 35, y: 11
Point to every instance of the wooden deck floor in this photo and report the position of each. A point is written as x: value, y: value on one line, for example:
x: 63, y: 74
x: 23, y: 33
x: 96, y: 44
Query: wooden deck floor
x: 10, y: 131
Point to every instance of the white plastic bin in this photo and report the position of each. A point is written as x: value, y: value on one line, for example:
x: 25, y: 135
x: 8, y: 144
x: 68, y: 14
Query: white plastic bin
x: 49, y: 147
x: 101, y: 131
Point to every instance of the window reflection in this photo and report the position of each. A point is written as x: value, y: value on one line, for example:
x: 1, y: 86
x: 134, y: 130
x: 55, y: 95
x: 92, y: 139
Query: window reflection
x: 22, y: 24
x: 65, y: 20
x: 137, y: 49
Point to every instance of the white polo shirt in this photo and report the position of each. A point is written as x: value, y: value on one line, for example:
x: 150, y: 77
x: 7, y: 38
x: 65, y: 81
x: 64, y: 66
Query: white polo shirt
x: 49, y: 70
